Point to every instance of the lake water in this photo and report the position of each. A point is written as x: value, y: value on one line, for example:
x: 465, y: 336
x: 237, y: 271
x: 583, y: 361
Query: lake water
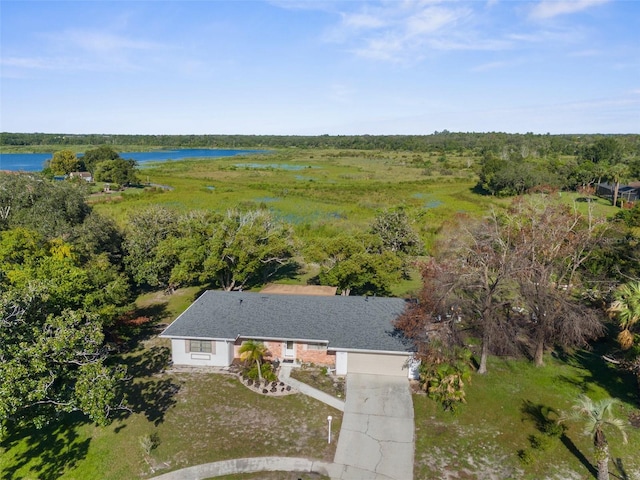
x: 33, y: 162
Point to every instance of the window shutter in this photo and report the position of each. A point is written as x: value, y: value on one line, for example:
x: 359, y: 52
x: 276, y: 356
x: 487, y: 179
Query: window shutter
x: 187, y: 346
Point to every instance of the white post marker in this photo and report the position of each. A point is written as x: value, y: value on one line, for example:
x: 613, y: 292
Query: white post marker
x: 329, y: 418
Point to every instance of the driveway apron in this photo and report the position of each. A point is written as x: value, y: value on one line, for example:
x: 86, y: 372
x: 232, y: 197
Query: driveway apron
x: 376, y: 439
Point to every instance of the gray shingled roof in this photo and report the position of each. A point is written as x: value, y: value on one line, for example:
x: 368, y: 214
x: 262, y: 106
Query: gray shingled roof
x: 360, y: 323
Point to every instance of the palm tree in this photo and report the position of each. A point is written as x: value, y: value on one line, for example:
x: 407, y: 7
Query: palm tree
x: 253, y: 351
x: 617, y: 174
x: 626, y: 309
x: 596, y: 417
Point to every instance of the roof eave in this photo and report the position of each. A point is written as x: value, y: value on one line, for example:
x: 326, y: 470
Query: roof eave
x: 368, y: 350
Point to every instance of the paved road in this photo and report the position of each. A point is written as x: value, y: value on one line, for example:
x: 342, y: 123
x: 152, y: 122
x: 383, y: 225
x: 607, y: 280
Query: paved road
x: 247, y: 465
x: 376, y: 438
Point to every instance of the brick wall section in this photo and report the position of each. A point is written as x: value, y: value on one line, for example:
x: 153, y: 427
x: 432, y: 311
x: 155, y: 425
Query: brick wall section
x: 319, y: 357
x: 301, y: 350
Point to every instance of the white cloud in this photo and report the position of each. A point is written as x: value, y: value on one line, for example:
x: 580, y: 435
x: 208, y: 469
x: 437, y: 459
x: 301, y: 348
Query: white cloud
x: 552, y: 8
x: 405, y: 31
x: 485, y: 67
x: 27, y: 62
x: 98, y: 42
x: 363, y: 21
x: 85, y: 50
x: 433, y: 19
x: 107, y: 42
x: 587, y: 53
x: 552, y: 37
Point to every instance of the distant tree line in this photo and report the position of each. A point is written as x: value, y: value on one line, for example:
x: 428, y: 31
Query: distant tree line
x: 494, y: 143
x: 511, y: 171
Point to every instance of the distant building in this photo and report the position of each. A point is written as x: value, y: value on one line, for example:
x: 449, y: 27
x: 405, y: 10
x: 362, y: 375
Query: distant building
x: 627, y: 193
x: 86, y: 176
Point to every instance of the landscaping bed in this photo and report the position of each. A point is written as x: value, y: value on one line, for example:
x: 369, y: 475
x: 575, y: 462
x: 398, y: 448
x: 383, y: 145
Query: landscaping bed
x: 319, y: 378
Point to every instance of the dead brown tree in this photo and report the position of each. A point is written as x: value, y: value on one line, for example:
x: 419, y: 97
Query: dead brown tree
x: 552, y: 241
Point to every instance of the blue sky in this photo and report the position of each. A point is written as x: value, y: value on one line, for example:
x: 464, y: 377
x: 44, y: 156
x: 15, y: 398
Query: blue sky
x: 320, y: 67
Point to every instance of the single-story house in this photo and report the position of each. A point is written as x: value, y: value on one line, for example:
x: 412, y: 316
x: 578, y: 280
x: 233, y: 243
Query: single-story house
x: 86, y: 176
x: 348, y: 333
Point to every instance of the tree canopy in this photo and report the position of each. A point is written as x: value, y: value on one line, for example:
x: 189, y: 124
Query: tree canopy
x: 64, y: 162
x: 60, y: 287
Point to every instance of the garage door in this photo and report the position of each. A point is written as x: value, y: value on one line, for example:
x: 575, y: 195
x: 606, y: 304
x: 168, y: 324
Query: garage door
x: 378, y: 364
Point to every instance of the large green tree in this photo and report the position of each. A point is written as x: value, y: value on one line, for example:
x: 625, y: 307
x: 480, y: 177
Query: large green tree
x: 185, y: 249
x: 64, y: 162
x: 247, y: 247
x: 53, y: 311
x: 92, y: 158
x: 118, y: 171
x: 396, y: 232
x: 95, y: 286
x: 364, y: 273
x: 607, y: 150
x: 52, y: 360
x: 51, y: 208
x: 356, y: 264
x: 146, y: 229
x: 60, y: 287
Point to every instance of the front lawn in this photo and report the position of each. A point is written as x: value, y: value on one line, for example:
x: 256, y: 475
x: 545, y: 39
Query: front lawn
x: 194, y: 418
x: 197, y: 418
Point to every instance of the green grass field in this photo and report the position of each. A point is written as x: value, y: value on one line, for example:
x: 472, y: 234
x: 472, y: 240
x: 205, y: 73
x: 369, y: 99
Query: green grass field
x: 319, y: 192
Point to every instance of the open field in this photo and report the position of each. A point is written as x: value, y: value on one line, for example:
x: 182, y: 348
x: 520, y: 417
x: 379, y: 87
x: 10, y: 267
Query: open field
x: 318, y: 191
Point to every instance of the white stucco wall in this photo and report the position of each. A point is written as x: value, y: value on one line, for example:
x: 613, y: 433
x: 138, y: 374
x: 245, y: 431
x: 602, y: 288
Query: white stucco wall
x: 341, y: 363
x: 377, y: 364
x: 222, y: 357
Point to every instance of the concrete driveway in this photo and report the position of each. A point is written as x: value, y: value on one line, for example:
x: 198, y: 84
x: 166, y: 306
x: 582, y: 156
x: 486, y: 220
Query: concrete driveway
x: 376, y: 438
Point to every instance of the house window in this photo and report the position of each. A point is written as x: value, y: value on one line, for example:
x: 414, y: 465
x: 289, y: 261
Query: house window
x: 200, y: 346
x: 316, y: 346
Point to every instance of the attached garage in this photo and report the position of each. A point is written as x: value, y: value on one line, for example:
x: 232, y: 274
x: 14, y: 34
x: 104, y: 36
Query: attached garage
x: 372, y: 363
